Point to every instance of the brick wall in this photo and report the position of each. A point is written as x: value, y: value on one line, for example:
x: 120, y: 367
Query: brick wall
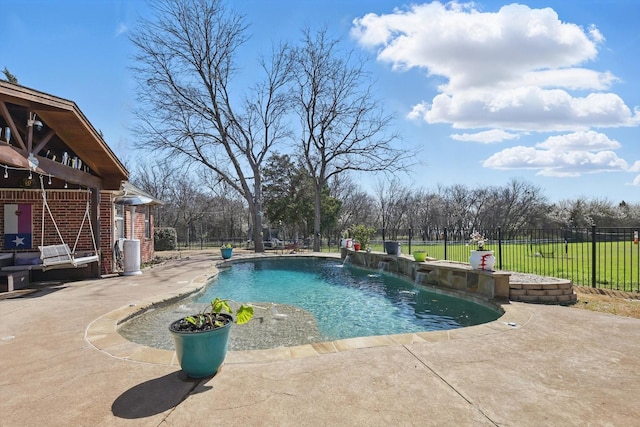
x: 68, y: 208
x: 146, y: 243
x: 107, y: 237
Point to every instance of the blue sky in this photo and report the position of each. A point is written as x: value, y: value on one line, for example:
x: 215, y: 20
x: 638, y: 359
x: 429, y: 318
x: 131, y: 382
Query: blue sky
x: 547, y: 92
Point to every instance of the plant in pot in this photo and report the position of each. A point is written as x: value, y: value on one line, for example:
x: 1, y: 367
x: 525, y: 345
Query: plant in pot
x: 361, y: 234
x: 226, y: 251
x: 481, y: 258
x: 420, y: 255
x: 392, y: 247
x: 201, y: 340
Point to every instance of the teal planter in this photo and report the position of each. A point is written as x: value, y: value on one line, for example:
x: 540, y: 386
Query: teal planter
x: 226, y: 252
x: 201, y: 353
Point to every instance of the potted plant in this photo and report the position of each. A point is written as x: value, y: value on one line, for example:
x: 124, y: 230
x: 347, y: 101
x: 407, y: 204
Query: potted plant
x: 392, y: 247
x: 361, y: 235
x: 420, y: 255
x: 201, y: 340
x: 226, y: 251
x: 481, y: 258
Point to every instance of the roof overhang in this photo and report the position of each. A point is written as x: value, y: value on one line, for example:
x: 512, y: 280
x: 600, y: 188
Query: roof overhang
x: 41, y: 124
x: 131, y: 195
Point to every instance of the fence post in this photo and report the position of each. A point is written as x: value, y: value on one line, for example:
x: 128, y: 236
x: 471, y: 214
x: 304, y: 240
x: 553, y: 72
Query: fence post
x: 593, y: 256
x: 445, y: 243
x: 500, y: 248
x: 410, y: 232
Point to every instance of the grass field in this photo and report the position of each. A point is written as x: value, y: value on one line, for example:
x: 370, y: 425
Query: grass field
x: 617, y: 263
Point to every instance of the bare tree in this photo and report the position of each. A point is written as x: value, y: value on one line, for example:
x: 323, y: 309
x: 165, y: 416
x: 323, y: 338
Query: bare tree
x: 513, y: 206
x: 358, y: 207
x: 393, y: 199
x: 343, y: 125
x: 185, y: 64
x: 158, y: 179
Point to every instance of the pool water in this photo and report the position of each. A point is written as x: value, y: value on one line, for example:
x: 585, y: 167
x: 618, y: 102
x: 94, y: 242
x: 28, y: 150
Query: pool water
x: 345, y: 300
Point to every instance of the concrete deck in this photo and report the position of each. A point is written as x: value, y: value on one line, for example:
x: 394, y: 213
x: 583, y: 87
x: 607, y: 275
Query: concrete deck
x: 537, y: 365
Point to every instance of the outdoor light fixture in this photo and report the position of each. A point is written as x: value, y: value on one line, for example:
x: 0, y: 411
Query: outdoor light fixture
x: 6, y: 172
x: 33, y: 121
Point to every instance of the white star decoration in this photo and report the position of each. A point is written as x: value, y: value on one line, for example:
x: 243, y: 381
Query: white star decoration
x: 18, y: 241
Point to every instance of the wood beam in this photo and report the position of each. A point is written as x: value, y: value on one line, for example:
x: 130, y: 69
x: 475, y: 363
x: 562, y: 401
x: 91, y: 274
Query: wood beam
x: 30, y: 121
x: 14, y: 130
x: 13, y: 156
x: 44, y: 141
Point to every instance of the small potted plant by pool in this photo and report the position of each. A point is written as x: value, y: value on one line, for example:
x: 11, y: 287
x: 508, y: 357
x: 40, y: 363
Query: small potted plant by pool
x: 201, y: 340
x: 481, y: 258
x: 392, y: 247
x: 420, y: 255
x: 226, y: 251
x: 361, y: 235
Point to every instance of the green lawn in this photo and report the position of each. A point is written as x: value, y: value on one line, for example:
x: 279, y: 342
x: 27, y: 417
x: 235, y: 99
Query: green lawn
x: 617, y: 265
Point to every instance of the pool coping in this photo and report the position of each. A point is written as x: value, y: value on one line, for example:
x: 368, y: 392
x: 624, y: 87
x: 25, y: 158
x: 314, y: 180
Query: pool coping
x: 102, y: 333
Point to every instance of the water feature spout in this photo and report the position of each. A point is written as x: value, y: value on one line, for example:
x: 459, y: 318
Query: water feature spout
x: 383, y: 265
x: 346, y: 259
x: 419, y: 278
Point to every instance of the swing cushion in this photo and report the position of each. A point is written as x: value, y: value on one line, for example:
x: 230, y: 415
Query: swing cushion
x: 60, y: 255
x: 85, y: 260
x: 55, y: 255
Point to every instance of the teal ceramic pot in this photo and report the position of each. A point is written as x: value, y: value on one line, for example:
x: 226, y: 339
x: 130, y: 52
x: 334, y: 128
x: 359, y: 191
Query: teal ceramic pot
x: 226, y: 252
x: 201, y: 353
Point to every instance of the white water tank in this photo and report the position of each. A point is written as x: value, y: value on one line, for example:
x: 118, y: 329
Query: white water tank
x: 131, y: 257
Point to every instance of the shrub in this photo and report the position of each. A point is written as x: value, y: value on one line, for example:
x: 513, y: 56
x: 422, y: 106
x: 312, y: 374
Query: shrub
x: 165, y: 239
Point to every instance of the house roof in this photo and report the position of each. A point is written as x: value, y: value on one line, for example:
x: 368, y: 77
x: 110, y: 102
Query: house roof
x: 49, y: 127
x: 131, y: 195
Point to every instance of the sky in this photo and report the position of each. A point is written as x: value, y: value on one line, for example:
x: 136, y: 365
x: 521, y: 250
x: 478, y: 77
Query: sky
x: 547, y: 92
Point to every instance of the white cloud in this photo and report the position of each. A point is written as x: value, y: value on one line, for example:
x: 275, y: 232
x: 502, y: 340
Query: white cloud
x: 473, y: 48
x: 636, y: 181
x: 121, y: 29
x: 486, y: 137
x: 579, y: 141
x: 527, y: 108
x: 635, y: 167
x: 556, y: 163
x: 512, y: 69
x: 569, y: 78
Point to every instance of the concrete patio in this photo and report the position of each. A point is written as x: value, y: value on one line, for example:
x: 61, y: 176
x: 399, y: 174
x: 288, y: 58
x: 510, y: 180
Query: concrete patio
x: 538, y: 365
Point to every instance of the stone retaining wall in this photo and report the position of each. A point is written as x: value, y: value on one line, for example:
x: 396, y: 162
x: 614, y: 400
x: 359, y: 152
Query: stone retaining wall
x: 556, y: 291
x: 446, y: 275
x: 460, y: 277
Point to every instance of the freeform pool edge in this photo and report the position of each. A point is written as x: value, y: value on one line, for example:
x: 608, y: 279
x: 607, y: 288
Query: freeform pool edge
x: 103, y: 334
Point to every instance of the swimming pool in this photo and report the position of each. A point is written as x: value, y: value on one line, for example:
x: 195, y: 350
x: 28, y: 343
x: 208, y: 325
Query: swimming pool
x: 316, y: 300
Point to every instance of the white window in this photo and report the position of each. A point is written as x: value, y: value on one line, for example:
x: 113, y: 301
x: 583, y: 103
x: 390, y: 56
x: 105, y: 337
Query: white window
x: 147, y: 221
x: 119, y: 222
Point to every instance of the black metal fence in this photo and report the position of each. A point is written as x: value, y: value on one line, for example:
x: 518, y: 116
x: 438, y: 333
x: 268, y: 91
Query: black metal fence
x: 602, y: 257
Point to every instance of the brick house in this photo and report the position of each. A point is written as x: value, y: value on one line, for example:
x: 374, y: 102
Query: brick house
x: 51, y: 156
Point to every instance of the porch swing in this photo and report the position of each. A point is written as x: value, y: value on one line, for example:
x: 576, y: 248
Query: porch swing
x: 60, y: 256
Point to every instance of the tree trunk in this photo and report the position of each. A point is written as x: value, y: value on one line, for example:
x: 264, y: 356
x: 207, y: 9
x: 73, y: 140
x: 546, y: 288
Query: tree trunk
x: 256, y: 213
x: 316, y: 222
